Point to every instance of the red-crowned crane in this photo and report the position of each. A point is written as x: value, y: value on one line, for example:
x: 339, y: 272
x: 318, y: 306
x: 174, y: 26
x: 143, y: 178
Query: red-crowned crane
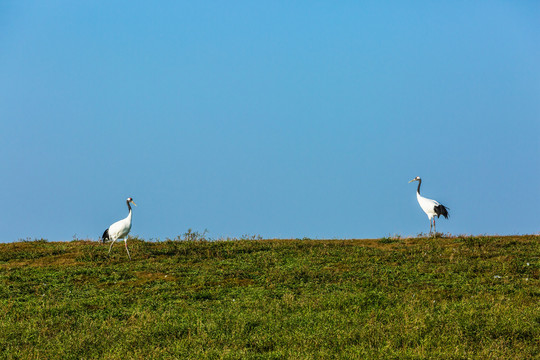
x: 431, y: 207
x: 120, y: 229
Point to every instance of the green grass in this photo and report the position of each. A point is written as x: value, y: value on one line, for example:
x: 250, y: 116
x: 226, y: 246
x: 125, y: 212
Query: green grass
x: 390, y: 298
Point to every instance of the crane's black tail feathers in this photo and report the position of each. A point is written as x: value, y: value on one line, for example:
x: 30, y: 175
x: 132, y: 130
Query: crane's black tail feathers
x: 441, y: 210
x: 105, y: 236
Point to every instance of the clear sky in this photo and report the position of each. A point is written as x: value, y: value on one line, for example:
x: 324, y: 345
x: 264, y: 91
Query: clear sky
x: 277, y: 118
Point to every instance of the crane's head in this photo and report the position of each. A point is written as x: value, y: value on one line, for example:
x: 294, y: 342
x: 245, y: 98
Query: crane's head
x: 415, y: 179
x: 130, y: 200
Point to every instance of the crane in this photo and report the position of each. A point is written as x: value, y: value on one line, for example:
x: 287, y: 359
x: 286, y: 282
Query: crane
x: 120, y: 229
x: 431, y: 207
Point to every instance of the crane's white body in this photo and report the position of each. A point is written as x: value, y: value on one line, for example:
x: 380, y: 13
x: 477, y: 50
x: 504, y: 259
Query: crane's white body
x: 428, y: 205
x: 120, y: 229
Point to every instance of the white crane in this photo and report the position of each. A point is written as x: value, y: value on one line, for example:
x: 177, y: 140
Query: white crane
x: 120, y: 229
x: 431, y: 207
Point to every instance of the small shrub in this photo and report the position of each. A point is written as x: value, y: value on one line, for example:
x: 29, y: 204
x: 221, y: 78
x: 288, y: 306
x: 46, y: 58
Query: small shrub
x: 195, y: 235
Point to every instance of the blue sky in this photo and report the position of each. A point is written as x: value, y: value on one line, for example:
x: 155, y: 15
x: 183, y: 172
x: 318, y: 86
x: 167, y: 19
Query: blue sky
x: 282, y: 119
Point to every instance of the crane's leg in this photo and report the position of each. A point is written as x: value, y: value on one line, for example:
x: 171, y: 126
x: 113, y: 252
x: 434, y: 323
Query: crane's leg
x: 125, y: 242
x: 430, y: 226
x: 110, y: 247
x: 434, y: 228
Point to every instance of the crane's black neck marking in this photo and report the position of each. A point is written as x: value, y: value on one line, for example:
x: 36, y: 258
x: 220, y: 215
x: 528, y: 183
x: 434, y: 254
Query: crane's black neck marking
x: 419, y: 183
x: 129, y: 206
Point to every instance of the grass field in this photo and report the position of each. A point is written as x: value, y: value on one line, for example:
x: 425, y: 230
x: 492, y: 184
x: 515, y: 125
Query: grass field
x: 390, y: 298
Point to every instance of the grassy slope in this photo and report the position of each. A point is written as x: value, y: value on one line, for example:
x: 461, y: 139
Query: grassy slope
x: 463, y: 297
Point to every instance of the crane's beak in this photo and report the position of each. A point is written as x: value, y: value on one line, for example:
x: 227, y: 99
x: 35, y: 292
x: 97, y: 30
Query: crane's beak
x: 412, y: 181
x: 133, y: 203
